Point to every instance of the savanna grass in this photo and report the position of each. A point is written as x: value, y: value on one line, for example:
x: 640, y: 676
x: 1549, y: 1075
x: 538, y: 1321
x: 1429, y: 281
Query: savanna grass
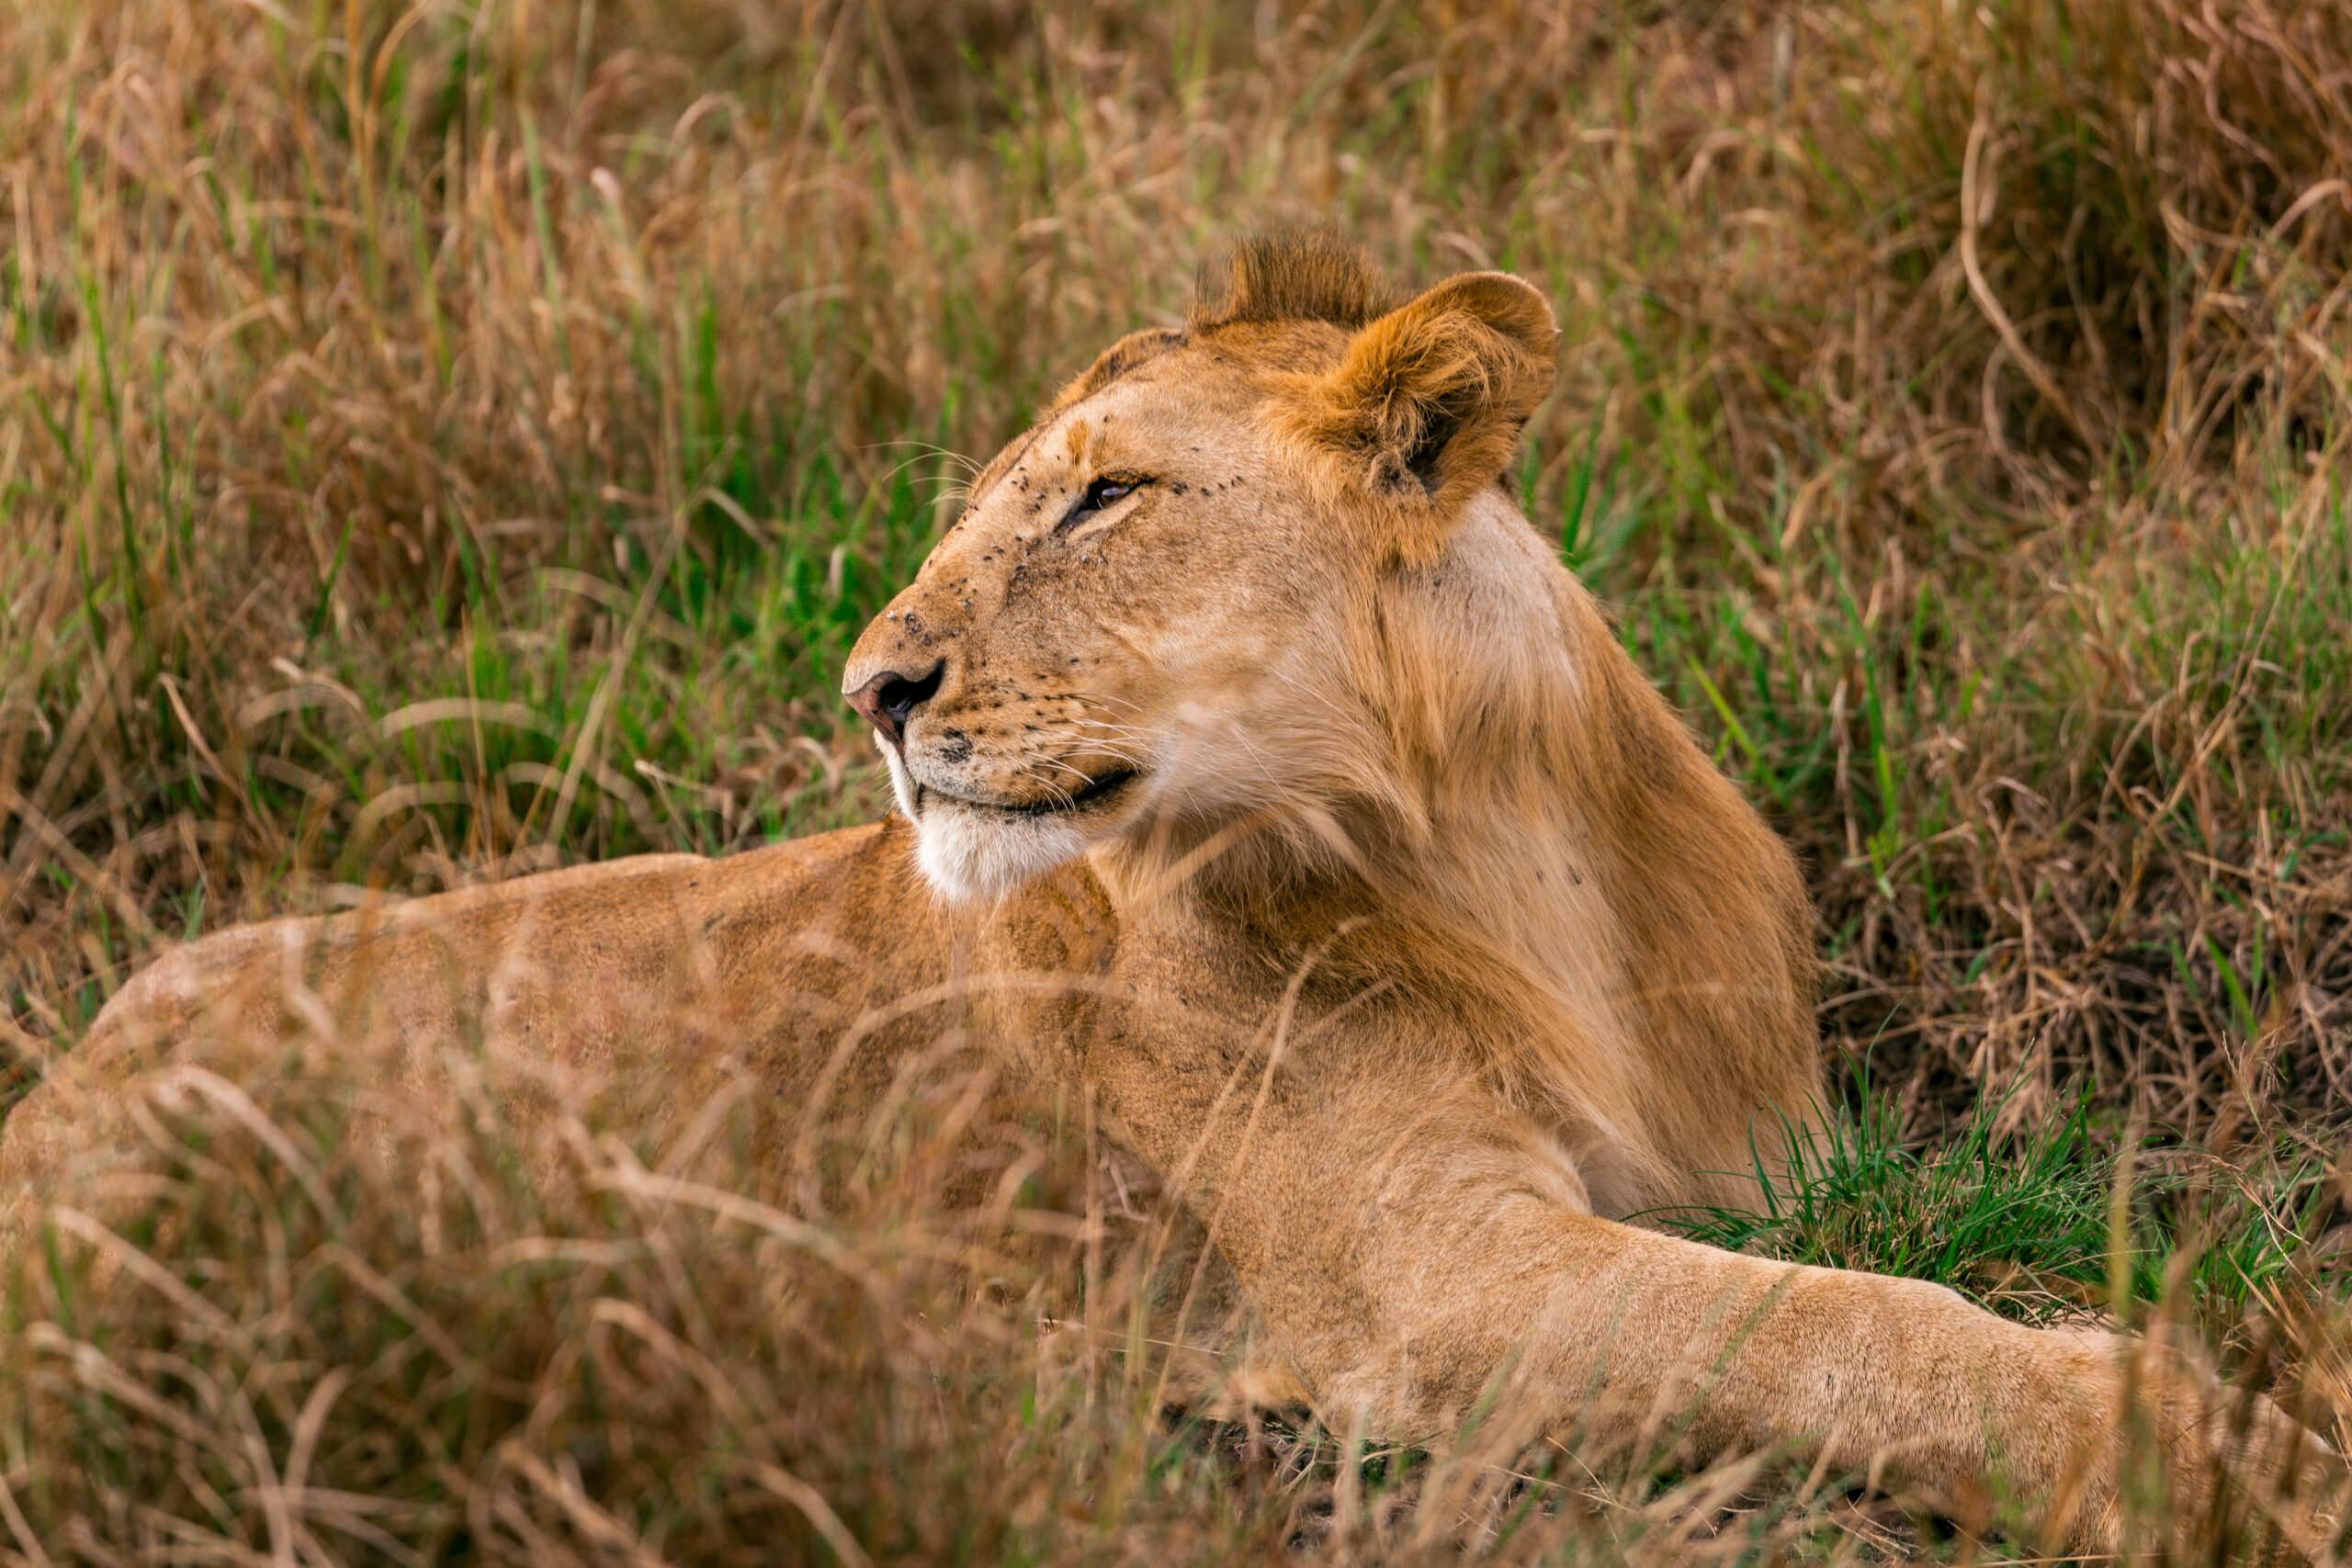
x: 438, y: 442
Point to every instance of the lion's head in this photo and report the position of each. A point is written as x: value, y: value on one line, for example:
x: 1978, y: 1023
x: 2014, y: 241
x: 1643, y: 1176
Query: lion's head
x: 1161, y: 608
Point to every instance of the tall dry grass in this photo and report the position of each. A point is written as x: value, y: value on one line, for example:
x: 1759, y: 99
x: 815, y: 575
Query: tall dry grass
x: 438, y: 441
x: 318, y: 1316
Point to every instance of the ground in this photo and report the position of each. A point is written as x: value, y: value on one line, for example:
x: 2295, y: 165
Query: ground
x: 441, y: 443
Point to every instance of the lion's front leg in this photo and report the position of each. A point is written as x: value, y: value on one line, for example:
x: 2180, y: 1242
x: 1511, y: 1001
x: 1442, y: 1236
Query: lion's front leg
x: 1414, y: 1246
x: 1642, y: 1340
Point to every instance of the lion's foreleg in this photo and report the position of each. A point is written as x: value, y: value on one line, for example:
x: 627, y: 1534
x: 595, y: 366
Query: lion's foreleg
x: 1413, y: 1249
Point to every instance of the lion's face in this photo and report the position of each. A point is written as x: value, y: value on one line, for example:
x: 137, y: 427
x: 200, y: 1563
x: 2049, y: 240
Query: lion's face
x: 1127, y: 581
x: 1126, y: 629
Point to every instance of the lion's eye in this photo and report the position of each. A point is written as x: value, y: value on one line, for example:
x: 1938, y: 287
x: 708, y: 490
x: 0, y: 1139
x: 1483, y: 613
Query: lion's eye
x: 1101, y: 493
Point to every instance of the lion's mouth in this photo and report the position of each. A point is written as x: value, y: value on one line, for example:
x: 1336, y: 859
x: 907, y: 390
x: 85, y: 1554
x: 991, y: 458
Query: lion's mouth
x: 1102, y: 787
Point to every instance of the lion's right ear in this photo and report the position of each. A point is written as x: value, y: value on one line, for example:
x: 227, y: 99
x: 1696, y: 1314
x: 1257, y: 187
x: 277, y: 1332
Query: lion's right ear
x: 1428, y: 403
x: 1115, y: 362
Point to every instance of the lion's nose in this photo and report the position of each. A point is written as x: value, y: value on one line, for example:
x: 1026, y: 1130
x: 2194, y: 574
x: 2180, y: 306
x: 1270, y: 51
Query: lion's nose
x: 890, y: 699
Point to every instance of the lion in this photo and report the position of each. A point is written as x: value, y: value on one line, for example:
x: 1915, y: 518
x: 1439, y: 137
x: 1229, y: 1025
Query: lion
x: 1260, y: 767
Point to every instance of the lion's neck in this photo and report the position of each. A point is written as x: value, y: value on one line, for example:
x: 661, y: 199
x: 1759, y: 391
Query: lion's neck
x: 1455, y: 781
x: 1474, y: 875
x: 1494, y: 699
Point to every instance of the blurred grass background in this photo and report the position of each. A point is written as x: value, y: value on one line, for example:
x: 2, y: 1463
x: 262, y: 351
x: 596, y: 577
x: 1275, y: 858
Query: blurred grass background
x: 439, y: 442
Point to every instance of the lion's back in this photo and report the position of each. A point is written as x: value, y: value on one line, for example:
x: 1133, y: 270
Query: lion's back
x: 566, y: 965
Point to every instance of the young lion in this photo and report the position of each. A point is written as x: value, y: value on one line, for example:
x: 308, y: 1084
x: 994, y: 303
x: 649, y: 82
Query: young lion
x: 1266, y: 773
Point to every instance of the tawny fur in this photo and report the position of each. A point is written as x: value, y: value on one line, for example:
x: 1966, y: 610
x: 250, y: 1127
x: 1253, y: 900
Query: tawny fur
x: 1297, y: 804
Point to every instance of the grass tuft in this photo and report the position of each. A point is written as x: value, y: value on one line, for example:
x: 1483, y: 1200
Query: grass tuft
x: 2025, y: 1223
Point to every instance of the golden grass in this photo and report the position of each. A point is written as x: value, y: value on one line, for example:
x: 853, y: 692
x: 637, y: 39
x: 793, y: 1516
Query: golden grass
x: 407, y: 1329
x: 438, y: 441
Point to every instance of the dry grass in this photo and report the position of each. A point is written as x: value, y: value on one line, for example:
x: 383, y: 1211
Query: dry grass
x: 393, y: 1331
x: 441, y: 442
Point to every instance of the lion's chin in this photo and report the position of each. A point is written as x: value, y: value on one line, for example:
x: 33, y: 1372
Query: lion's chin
x: 970, y: 854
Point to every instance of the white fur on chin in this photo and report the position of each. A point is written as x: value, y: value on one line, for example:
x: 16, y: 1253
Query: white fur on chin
x: 970, y: 853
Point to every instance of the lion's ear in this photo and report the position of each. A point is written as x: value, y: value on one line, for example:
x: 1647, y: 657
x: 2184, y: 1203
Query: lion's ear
x: 1431, y: 397
x: 1115, y: 362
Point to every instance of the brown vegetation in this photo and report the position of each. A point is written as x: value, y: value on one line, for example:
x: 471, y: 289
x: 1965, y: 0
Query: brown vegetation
x: 445, y: 441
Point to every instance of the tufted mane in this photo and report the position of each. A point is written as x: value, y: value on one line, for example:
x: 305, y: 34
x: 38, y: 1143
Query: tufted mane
x: 1301, y: 275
